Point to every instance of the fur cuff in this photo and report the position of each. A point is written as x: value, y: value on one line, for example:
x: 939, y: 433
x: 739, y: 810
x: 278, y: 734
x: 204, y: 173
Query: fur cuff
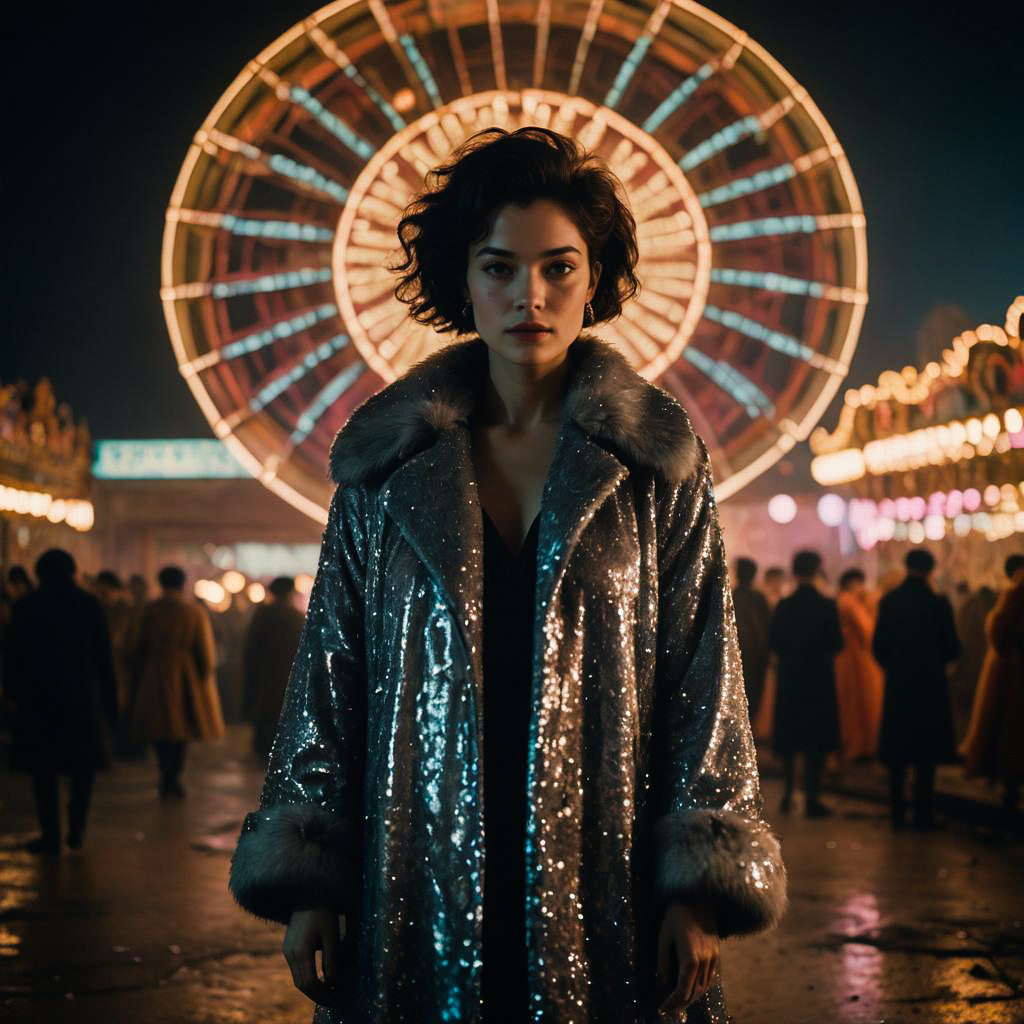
x: 734, y: 860
x: 293, y: 856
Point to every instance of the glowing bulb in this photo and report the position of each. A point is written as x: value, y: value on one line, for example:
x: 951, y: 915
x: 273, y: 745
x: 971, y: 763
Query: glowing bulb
x: 303, y: 583
x: 782, y: 509
x: 233, y: 581
x: 256, y: 592
x: 831, y: 509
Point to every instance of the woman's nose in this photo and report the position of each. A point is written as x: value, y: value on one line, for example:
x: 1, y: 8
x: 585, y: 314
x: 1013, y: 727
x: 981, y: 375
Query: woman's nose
x: 531, y: 292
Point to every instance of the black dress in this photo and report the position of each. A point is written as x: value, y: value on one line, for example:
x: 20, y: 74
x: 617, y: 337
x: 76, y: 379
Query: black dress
x: 509, y: 582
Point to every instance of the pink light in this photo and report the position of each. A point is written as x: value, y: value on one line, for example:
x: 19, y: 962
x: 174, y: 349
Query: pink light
x: 972, y: 499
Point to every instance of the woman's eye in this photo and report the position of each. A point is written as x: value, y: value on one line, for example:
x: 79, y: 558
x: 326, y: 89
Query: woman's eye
x: 568, y: 268
x: 495, y: 266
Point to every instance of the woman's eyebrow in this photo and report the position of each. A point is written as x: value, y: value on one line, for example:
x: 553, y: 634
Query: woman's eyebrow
x: 489, y: 250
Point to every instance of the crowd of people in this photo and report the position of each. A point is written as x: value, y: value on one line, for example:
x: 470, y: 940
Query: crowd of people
x: 95, y: 670
x: 896, y: 674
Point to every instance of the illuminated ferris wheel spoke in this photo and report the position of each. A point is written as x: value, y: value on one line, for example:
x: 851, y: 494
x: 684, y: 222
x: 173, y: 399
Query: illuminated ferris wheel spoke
x: 583, y: 46
x: 257, y: 340
x: 252, y: 227
x: 637, y: 54
x: 293, y: 173
x: 307, y: 421
x: 440, y: 15
x: 249, y: 284
x: 777, y: 340
x: 770, y: 227
x: 764, y: 179
x: 679, y: 96
x: 731, y: 382
x: 772, y: 282
x: 407, y: 54
x: 334, y: 53
x: 304, y: 100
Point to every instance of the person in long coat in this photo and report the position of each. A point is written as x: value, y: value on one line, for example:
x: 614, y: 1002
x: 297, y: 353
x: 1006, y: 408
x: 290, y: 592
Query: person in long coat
x: 753, y: 619
x: 643, y: 828
x: 174, y: 692
x: 965, y: 675
x: 914, y: 639
x: 994, y: 744
x: 59, y: 675
x: 806, y: 636
x: 859, y: 683
x: 271, y: 642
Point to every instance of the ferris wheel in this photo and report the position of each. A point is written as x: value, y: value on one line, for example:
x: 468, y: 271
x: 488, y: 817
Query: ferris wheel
x: 282, y: 222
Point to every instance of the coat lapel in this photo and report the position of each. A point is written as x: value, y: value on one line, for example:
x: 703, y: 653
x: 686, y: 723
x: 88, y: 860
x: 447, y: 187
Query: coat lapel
x: 582, y: 476
x: 432, y: 498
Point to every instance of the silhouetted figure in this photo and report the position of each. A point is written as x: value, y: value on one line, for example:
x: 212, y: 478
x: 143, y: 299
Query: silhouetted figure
x: 805, y: 635
x: 174, y: 695
x: 753, y: 619
x: 859, y: 683
x: 994, y: 746
x: 915, y: 638
x: 59, y: 674
x: 271, y: 641
x: 966, y: 673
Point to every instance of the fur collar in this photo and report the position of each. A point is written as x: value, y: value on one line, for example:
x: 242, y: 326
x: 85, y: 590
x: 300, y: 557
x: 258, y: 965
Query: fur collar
x: 637, y: 421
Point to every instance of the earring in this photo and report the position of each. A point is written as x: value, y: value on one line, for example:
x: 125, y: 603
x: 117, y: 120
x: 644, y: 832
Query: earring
x: 588, y: 315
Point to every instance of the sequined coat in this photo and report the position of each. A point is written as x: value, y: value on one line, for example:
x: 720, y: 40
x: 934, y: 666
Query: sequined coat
x: 642, y: 782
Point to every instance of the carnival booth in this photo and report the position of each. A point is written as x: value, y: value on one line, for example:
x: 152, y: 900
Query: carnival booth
x: 935, y: 457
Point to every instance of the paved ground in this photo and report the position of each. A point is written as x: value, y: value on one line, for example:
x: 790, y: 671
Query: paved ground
x: 138, y: 928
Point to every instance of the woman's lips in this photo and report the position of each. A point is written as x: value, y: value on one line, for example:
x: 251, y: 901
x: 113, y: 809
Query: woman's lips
x: 530, y: 332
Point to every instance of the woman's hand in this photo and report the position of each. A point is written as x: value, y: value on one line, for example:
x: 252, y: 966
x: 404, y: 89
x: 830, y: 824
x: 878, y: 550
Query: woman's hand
x: 693, y: 929
x: 308, y: 931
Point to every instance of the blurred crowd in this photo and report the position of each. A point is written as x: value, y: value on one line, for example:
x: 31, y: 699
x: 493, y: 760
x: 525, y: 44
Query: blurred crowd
x: 895, y: 672
x: 94, y: 669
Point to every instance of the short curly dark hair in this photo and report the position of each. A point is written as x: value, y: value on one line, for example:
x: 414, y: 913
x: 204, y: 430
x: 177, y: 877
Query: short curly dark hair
x: 489, y: 170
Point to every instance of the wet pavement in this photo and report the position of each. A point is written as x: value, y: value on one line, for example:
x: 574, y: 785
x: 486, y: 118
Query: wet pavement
x: 139, y: 927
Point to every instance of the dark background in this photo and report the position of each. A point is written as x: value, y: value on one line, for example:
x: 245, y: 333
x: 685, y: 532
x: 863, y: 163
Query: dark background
x: 927, y: 100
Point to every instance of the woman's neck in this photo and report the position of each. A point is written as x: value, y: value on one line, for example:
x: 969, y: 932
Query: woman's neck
x: 520, y: 397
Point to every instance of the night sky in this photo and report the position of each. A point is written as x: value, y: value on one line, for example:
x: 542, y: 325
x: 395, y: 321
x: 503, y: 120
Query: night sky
x: 926, y: 99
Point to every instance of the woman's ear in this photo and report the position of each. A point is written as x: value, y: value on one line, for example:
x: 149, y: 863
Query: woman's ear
x: 595, y: 276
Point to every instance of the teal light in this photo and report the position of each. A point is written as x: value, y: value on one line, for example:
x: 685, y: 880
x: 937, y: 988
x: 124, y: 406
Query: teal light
x: 330, y: 394
x: 677, y: 98
x: 421, y: 68
x: 769, y: 226
x: 746, y: 186
x: 192, y: 459
x: 732, y: 382
x: 752, y: 329
x: 271, y: 282
x: 288, y: 168
x: 280, y: 384
x: 727, y: 137
x: 768, y: 282
x: 331, y: 122
x: 389, y: 111
x: 285, y: 229
x: 628, y: 69
x: 282, y: 329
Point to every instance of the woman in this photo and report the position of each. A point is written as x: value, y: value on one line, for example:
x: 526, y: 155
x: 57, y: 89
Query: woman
x: 859, y: 682
x: 521, y: 629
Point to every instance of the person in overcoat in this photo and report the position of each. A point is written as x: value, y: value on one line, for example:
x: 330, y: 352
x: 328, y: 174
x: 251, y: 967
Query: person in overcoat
x: 174, y: 692
x: 643, y: 841
x: 914, y: 640
x: 268, y: 650
x: 965, y: 676
x: 59, y: 675
x: 805, y: 635
x: 859, y: 683
x: 994, y: 744
x: 753, y: 619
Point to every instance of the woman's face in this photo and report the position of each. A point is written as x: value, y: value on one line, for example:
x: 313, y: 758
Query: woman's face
x: 532, y: 268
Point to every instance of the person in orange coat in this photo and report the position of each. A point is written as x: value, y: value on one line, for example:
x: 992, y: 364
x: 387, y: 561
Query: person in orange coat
x: 859, y: 682
x: 994, y: 745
